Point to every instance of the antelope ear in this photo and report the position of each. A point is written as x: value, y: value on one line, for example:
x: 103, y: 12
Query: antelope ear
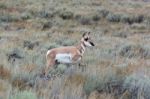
x: 83, y: 34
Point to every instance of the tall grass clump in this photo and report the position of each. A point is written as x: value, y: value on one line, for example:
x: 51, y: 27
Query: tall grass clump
x: 133, y: 51
x: 38, y: 59
x: 5, y: 88
x: 91, y: 84
x: 23, y: 80
x: 138, y: 86
x: 109, y: 80
x: 76, y: 93
x: 24, y: 95
x: 61, y: 68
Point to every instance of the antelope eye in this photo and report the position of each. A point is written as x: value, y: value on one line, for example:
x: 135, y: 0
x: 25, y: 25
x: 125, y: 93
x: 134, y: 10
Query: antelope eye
x: 86, y: 39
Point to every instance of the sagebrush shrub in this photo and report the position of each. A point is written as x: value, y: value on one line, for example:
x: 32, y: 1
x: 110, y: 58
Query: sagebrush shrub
x: 24, y: 95
x: 138, y: 85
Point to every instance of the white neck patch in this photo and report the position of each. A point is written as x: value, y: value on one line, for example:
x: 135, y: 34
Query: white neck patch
x: 87, y: 44
x: 83, y: 47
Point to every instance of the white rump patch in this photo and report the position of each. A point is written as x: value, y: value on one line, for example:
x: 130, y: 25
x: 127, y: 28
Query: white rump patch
x: 48, y: 52
x: 64, y: 58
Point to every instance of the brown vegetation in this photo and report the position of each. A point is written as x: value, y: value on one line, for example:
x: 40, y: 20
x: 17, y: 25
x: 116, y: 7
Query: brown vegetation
x: 117, y: 67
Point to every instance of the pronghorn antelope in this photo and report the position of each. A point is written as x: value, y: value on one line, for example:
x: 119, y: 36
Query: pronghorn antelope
x: 68, y: 54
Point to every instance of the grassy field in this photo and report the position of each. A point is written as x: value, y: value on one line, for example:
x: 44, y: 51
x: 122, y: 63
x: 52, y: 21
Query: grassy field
x: 116, y: 68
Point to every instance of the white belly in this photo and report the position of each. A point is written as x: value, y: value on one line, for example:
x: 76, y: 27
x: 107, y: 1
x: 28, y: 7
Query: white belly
x: 64, y: 58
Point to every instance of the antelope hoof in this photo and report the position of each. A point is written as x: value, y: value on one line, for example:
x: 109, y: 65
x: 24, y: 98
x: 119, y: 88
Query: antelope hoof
x: 47, y: 77
x: 81, y: 64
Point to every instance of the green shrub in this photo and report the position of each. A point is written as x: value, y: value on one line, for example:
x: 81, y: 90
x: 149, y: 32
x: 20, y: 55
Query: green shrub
x: 113, y: 17
x: 84, y: 20
x: 30, y: 45
x: 65, y: 41
x: 145, y: 51
x: 68, y: 42
x: 131, y: 50
x: 47, y: 25
x: 138, y: 18
x: 22, y: 80
x: 147, y: 21
x: 61, y: 68
x: 130, y: 19
x: 3, y: 6
x: 66, y: 15
x: 52, y: 45
x: 7, y: 17
x: 26, y: 16
x: 45, y: 14
x: 125, y: 18
x: 36, y: 58
x: 24, y: 95
x: 103, y: 12
x: 92, y: 83
x: 138, y: 26
x: 14, y: 54
x: 126, y: 51
x: 96, y: 17
x: 107, y: 81
x: 138, y: 85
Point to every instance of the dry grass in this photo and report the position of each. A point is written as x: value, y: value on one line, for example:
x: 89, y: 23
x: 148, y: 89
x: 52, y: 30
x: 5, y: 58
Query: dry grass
x: 120, y: 31
x: 4, y: 72
x: 96, y: 95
